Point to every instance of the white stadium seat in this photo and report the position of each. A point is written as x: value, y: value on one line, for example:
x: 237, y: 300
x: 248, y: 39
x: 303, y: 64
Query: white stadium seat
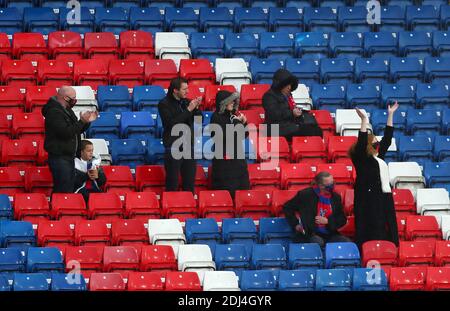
x: 445, y: 226
x: 434, y: 201
x: 101, y: 148
x: 166, y: 232
x: 172, y: 45
x: 406, y: 175
x: 302, y: 98
x: 220, y: 281
x: 232, y: 71
x: 348, y: 122
x: 195, y: 258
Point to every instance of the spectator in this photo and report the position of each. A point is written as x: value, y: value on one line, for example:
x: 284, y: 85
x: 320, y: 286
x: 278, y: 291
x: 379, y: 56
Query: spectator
x: 176, y: 109
x: 63, y: 136
x: 229, y: 171
x: 89, y: 176
x: 280, y: 108
x: 321, y: 213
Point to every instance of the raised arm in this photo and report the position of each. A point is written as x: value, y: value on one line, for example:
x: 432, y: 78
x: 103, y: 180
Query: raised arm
x: 388, y: 131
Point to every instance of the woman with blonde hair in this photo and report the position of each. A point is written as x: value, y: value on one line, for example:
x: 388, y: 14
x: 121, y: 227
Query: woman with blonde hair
x: 374, y: 210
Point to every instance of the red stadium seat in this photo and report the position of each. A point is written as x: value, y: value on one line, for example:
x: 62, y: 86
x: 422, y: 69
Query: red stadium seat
x: 11, y: 181
x: 383, y: 253
x: 442, y: 253
x: 254, y: 116
x: 5, y: 125
x: 308, y: 150
x: 182, y: 281
x: 127, y: 72
x: 5, y: 46
x: 42, y: 155
x: 12, y: 99
x: 66, y: 45
x: 106, y: 282
x: 404, y: 201
x: 255, y: 204
x: 90, y: 72
x: 210, y: 95
x: 422, y: 228
x: 92, y: 232
x: 151, y: 178
x: 136, y: 44
x: 180, y: 205
x: 325, y: 120
x: 120, y: 258
x: 101, y: 45
x: 296, y: 176
x: 198, y: 72
x: 438, y: 278
x: 201, y: 180
x: 89, y: 258
x: 105, y: 206
x: 158, y: 257
x: 216, y: 204
x: 142, y: 205
x: 160, y: 72
x: 252, y: 94
x: 19, y: 152
x: 343, y: 177
x: 28, y: 125
x: 263, y: 177
x: 401, y: 226
x: 31, y: 206
x: 279, y: 198
x: 54, y: 73
x: 195, y: 91
x: 29, y: 45
x: 338, y: 147
x: 39, y: 180
x: 68, y: 206
x: 410, y: 278
x: 54, y: 233
x: 37, y: 96
x: 129, y: 232
x: 348, y: 229
x: 349, y: 201
x: 18, y: 73
x: 145, y: 281
x: 416, y: 253
x: 270, y: 149
x: 118, y: 177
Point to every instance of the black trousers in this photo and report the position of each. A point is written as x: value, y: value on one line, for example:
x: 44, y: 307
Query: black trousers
x: 174, y: 168
x: 63, y: 172
x: 320, y: 239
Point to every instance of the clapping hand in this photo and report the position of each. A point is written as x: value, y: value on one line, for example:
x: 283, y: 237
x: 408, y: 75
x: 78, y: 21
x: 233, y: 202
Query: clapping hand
x: 393, y: 108
x: 89, y: 116
x: 361, y: 114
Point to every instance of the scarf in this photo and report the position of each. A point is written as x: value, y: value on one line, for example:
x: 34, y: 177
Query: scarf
x: 323, y: 208
x: 291, y: 102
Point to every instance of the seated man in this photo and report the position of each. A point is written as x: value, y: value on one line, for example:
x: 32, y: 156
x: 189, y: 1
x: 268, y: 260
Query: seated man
x: 321, y: 213
x: 89, y: 176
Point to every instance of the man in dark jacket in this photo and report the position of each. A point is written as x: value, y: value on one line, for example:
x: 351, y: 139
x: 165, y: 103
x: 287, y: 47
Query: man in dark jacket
x: 63, y: 136
x: 175, y: 109
x: 321, y: 213
x: 280, y: 109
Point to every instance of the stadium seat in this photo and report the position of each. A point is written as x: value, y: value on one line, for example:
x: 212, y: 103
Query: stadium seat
x: 16, y: 233
x: 6, y: 210
x: 263, y: 178
x: 275, y: 231
x: 242, y: 45
x: 105, y: 206
x: 28, y: 126
x: 147, y: 19
x: 142, y: 205
x: 120, y: 259
x: 363, y: 96
x: 54, y: 73
x: 441, y: 148
x: 68, y: 205
x: 408, y: 278
x: 252, y: 94
x: 404, y: 174
x: 297, y: 280
x: 312, y: 44
x: 203, y: 231
x: 415, y: 148
x: 85, y: 99
x: 216, y: 20
x: 220, y: 281
x: 180, y: 205
x: 338, y: 70
x: 31, y: 206
x: 129, y: 232
x: 166, y: 232
x: 253, y: 203
x: 259, y: 280
x: 44, y: 260
x: 55, y: 233
x: 346, y: 44
x: 40, y: 20
x: 198, y: 72
x: 296, y: 176
x: 210, y: 94
x: 239, y: 231
x: 29, y: 46
x: 404, y: 201
x: 348, y: 122
x: 375, y: 70
x: 182, y: 281
x: 136, y: 44
x: 18, y: 73
x: 101, y: 45
x: 320, y: 19
x: 433, y: 95
x: 206, y: 45
x: 341, y: 255
x: 160, y: 72
x: 415, y: 43
x: 286, y: 19
x: 305, y: 256
x: 277, y: 45
x: 129, y: 152
x: 333, y: 280
x: 440, y: 44
x: 231, y: 257
x: 5, y: 125
x: 436, y: 69
x: 144, y: 281
x: 369, y: 280
x: 66, y: 45
x: 330, y: 96
x: 106, y: 126
x: 279, y: 198
x: 11, y: 20
x: 442, y: 253
x: 268, y: 256
x: 11, y: 181
x: 111, y: 19
x: 147, y: 97
x: 416, y: 253
x: 392, y: 18
x: 65, y: 282
x: 12, y: 260
x: 158, y: 257
x: 406, y: 70
x: 354, y: 18
x: 380, y: 44
x: 324, y: 120
x: 195, y: 258
x: 136, y: 124
x: 338, y: 148
x: 424, y: 121
x: 172, y: 45
x: 433, y: 201
x: 92, y: 232
x: 378, y: 118
x: 423, y: 17
x: 106, y: 282
x: 252, y: 20
x: 29, y: 282
x: 181, y: 20
x: 383, y: 253
x: 232, y: 72
x: 437, y: 278
x: 216, y: 204
x: 437, y: 174
x: 90, y: 72
x: 273, y: 149
x: 19, y: 152
x: 150, y: 178
x: 86, y: 22
x: 128, y: 72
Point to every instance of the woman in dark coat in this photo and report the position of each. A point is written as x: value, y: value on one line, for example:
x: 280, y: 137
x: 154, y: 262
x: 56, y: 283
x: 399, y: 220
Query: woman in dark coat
x: 229, y: 170
x: 374, y: 210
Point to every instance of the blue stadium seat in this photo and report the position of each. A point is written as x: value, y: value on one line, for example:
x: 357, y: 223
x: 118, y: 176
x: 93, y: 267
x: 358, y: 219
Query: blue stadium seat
x: 239, y: 231
x: 266, y: 4
x: 161, y: 4
x: 437, y: 69
x: 305, y: 256
x: 181, y: 20
x: 249, y: 150
x: 306, y: 70
x: 415, y: 148
x: 392, y: 18
x: 146, y: 19
x: 113, y: 20
x: 311, y: 44
x: 195, y: 4
x: 127, y: 152
x: 277, y: 45
x: 423, y: 121
x: 126, y: 4
x: 230, y: 4
x: 62, y: 282
x: 401, y: 3
x: 333, y: 280
x: 68, y: 20
x: 12, y: 260
x: 275, y: 231
x: 4, y: 284
x: 320, y: 19
x: 263, y: 69
x: 286, y: 19
x: 334, y: 4
x: 408, y: 70
x: 375, y: 70
x: 378, y: 119
x: 113, y: 98
x: 252, y: 20
x: 441, y: 44
x: 330, y: 96
x: 155, y: 151
x: 147, y: 97
x: 433, y: 95
x: 207, y: 45
x: 297, y: 280
x: 10, y: 20
x: 206, y: 117
x: 203, y: 231
x: 19, y: 4
x: 354, y: 19
x: 404, y: 94
x: 231, y: 257
x: 442, y: 148
x: 88, y: 4
x: 338, y: 70
x: 259, y: 280
x: 342, y: 255
x: 364, y: 95
x: 30, y: 282
x: 380, y: 44
x: 437, y: 174
x: 241, y: 45
x: 16, y: 233
x: 216, y: 20
x: 445, y: 17
x: 423, y: 17
x: 445, y: 121
x: 346, y: 44
x: 43, y: 20
x: 6, y: 210
x: 44, y: 260
x: 106, y: 126
x: 136, y: 124
x: 369, y: 280
x: 415, y: 43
